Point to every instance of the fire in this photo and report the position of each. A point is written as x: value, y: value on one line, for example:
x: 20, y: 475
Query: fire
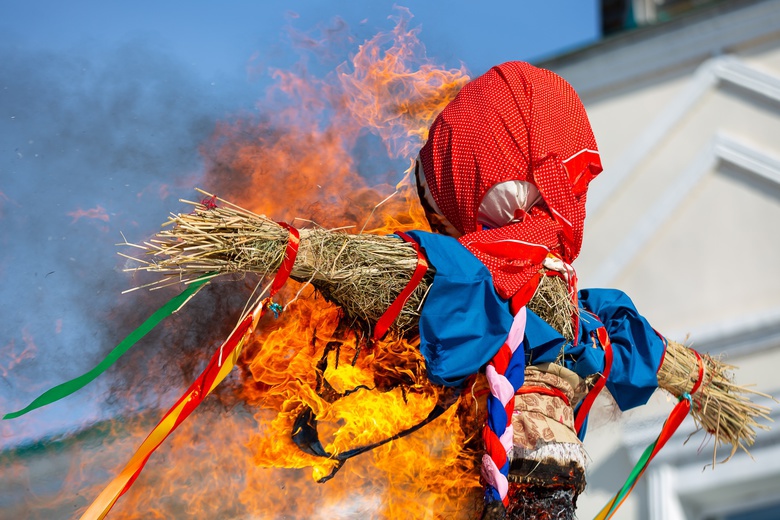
x: 396, y: 92
x: 299, y: 162
x: 425, y: 475
x: 97, y: 213
x: 312, y: 157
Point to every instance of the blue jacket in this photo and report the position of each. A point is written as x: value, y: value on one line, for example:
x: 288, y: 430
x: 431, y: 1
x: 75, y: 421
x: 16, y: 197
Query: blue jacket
x: 464, y: 322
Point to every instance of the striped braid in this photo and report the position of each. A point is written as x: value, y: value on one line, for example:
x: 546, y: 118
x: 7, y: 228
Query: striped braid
x: 505, y: 375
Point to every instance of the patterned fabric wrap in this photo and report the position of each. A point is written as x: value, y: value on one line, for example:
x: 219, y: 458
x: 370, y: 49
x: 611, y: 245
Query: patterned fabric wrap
x: 540, y: 418
x: 515, y: 122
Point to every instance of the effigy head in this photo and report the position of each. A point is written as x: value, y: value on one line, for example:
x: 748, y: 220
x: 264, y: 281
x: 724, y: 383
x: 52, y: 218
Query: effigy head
x: 515, y: 138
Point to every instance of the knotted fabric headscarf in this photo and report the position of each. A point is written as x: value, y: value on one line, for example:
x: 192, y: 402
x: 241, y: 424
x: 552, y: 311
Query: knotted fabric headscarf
x: 514, y: 123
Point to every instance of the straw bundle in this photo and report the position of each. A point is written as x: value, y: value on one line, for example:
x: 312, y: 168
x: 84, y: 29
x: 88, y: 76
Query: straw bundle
x: 364, y: 273
x: 720, y: 407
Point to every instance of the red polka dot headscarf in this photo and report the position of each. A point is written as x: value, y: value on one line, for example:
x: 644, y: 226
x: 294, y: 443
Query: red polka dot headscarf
x: 514, y: 123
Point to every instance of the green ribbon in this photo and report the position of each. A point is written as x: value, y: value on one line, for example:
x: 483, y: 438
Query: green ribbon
x: 676, y: 417
x: 632, y: 479
x: 69, y: 387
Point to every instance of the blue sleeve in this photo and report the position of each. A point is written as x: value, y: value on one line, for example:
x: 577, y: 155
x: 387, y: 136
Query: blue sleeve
x: 636, y: 349
x: 546, y: 345
x: 463, y: 321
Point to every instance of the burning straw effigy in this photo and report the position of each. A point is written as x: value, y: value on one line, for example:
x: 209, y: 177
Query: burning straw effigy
x: 364, y: 273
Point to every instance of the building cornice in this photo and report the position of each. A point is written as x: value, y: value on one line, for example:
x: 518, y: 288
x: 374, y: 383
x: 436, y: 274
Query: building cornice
x: 648, y: 53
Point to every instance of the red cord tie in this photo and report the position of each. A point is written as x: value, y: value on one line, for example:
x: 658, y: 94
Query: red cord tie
x: 700, y: 380
x: 285, y: 269
x: 392, y: 312
x: 587, y: 403
x: 552, y: 392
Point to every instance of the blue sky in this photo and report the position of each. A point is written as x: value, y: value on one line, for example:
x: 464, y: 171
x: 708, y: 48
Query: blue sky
x: 103, y: 105
x: 216, y: 39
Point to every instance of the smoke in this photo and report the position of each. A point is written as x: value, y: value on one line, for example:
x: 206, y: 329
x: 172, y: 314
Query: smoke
x: 93, y: 143
x: 100, y: 142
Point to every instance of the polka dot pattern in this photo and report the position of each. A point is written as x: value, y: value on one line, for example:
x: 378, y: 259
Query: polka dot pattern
x: 515, y: 122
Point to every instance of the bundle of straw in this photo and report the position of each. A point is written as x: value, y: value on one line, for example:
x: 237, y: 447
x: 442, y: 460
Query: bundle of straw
x: 363, y: 274
x: 553, y: 304
x: 720, y: 407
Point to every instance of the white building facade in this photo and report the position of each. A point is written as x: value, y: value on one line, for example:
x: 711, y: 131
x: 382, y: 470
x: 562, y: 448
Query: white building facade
x: 684, y: 219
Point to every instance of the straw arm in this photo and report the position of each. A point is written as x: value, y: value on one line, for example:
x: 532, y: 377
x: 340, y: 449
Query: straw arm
x: 719, y: 406
x: 364, y: 273
x: 361, y: 273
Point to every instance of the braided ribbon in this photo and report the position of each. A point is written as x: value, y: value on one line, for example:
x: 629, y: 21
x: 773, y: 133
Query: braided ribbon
x: 676, y: 417
x: 220, y: 365
x: 505, y: 375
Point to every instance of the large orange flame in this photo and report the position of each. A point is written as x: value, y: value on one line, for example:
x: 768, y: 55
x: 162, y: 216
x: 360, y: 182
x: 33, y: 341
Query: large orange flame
x: 307, y: 358
x: 301, y: 158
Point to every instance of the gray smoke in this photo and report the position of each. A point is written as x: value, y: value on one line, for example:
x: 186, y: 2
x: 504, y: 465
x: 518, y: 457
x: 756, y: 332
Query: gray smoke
x: 93, y: 142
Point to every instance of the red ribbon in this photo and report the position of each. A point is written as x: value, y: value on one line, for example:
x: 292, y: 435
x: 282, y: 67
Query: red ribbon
x: 587, y: 403
x: 392, y: 312
x: 701, y: 373
x: 552, y: 392
x: 676, y: 417
x: 293, y: 242
x: 211, y: 376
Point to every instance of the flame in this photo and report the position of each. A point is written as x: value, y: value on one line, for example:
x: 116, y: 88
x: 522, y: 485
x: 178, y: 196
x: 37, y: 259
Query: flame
x: 360, y: 394
x: 97, y: 213
x: 397, y: 92
x: 321, y: 151
x: 428, y: 474
x: 300, y: 162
